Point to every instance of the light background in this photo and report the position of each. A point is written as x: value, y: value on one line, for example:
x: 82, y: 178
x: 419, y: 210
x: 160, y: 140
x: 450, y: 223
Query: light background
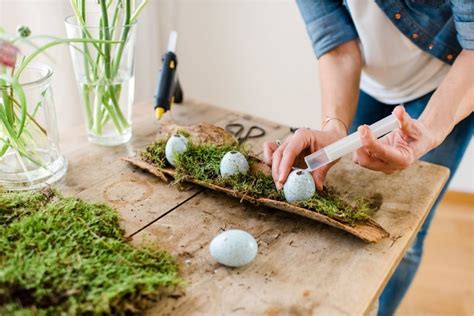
x: 248, y: 55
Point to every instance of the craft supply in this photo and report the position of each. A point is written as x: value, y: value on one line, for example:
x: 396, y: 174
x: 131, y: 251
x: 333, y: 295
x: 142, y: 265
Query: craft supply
x: 237, y: 130
x: 348, y: 144
x: 299, y: 186
x: 176, y: 144
x: 233, y: 163
x: 169, y: 89
x: 234, y: 248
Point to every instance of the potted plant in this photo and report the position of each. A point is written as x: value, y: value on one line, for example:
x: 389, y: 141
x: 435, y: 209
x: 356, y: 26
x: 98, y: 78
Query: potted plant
x: 29, y: 138
x: 105, y: 72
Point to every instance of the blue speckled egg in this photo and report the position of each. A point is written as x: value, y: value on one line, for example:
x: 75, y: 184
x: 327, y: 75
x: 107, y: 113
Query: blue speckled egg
x: 176, y: 144
x: 233, y: 163
x: 234, y: 248
x: 299, y: 186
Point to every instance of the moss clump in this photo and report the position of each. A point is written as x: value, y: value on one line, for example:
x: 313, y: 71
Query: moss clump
x: 155, y: 154
x: 15, y: 205
x: 61, y: 255
x: 330, y: 203
x: 202, y: 162
x: 257, y: 185
x: 184, y: 133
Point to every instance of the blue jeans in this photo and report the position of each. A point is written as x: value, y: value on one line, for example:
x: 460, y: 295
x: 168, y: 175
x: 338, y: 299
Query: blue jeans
x: 448, y: 154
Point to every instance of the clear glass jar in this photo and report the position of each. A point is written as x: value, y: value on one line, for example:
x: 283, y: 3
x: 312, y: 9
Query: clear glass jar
x: 29, y: 142
x: 105, y: 76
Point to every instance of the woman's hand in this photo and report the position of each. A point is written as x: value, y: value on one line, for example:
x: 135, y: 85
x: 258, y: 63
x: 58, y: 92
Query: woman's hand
x: 304, y: 142
x: 397, y: 150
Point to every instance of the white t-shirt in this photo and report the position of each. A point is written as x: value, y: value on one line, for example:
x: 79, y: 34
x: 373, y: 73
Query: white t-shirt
x: 395, y: 70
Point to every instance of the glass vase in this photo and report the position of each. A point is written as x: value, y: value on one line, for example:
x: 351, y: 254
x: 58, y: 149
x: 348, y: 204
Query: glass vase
x: 105, y: 76
x: 29, y: 143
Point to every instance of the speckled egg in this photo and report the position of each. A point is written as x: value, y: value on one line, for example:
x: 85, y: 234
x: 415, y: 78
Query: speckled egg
x: 234, y: 248
x: 299, y: 186
x: 176, y: 144
x: 233, y: 163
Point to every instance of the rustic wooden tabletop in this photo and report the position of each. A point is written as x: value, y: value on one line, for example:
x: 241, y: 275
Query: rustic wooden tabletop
x: 302, y: 268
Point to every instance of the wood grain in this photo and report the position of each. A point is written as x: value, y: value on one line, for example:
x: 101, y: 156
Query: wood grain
x: 96, y: 173
x: 303, y: 267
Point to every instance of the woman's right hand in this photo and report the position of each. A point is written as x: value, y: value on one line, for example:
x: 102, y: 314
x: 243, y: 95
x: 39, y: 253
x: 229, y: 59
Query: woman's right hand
x: 291, y: 153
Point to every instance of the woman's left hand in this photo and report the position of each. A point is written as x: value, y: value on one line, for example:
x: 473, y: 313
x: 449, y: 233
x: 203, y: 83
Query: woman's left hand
x: 398, y: 149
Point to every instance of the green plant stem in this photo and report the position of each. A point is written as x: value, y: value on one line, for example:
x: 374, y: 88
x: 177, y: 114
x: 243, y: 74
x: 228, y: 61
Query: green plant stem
x: 114, y: 91
x: 31, y: 117
x: 106, y: 34
x: 97, y: 109
x: 82, y: 22
x: 138, y: 10
x: 85, y: 95
x: 84, y: 45
x: 124, y: 38
x: 108, y: 61
x: 55, y: 43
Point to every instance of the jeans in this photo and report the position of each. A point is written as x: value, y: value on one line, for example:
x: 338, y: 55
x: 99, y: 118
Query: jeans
x: 448, y: 154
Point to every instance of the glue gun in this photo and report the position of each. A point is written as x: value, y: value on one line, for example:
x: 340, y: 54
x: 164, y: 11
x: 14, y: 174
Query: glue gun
x: 168, y: 89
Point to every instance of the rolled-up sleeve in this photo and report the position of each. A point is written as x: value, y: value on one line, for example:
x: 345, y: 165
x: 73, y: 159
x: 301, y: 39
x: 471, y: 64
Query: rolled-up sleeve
x: 463, y: 14
x: 328, y: 23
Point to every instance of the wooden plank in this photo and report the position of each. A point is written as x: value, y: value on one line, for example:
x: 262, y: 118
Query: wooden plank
x: 91, y: 164
x: 303, y: 267
x: 97, y: 173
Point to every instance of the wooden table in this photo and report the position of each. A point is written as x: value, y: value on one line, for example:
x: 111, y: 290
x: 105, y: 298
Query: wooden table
x: 302, y: 268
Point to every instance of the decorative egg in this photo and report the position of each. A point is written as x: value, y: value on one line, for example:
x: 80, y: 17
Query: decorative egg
x: 176, y: 144
x: 233, y: 163
x: 299, y: 186
x: 233, y: 248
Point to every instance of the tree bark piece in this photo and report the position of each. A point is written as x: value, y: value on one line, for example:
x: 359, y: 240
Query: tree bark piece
x: 367, y: 230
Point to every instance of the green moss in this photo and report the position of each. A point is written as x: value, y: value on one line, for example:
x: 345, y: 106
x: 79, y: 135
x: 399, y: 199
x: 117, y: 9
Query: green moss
x: 256, y: 185
x: 155, y: 154
x: 61, y: 255
x: 184, y: 133
x: 15, y: 205
x: 331, y: 204
x: 202, y: 162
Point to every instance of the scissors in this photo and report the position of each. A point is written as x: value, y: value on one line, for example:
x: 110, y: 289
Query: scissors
x: 237, y: 130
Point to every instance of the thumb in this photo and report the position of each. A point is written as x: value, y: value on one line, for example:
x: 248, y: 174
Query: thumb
x: 319, y: 176
x: 407, y: 124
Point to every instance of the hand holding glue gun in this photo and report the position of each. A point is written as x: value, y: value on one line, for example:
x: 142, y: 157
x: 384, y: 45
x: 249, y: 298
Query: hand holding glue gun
x: 406, y: 141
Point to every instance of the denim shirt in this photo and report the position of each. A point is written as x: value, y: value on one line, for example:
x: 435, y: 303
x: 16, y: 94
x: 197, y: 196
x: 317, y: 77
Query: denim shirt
x: 440, y: 27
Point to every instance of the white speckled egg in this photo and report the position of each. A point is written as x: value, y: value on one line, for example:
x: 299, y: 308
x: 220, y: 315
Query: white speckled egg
x: 176, y: 144
x: 234, y: 248
x: 233, y: 163
x: 299, y: 186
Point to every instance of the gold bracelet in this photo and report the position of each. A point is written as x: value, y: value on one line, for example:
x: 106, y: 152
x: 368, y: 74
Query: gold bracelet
x: 337, y: 119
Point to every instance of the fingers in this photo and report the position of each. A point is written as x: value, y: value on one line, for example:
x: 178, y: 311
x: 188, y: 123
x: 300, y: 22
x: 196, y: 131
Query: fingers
x: 268, y: 150
x: 290, y: 153
x: 365, y: 159
x: 319, y: 176
x: 407, y: 124
x: 276, y: 160
x: 397, y: 158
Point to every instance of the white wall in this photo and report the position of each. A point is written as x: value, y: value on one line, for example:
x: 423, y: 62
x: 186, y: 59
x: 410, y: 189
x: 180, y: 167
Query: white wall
x: 249, y: 55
